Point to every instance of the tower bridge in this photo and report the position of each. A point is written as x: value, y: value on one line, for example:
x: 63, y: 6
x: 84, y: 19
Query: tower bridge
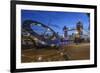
x: 35, y: 35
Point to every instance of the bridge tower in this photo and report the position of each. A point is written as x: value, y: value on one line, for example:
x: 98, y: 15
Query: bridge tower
x: 79, y: 28
x: 65, y: 29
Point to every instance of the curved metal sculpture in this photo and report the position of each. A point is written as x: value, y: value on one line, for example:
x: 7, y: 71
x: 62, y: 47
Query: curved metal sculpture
x: 47, y: 38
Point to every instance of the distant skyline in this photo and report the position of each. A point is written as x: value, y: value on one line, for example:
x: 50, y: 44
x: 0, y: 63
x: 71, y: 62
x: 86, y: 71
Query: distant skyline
x: 56, y: 20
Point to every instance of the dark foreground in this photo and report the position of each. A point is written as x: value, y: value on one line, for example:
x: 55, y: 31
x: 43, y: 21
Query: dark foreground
x: 64, y: 53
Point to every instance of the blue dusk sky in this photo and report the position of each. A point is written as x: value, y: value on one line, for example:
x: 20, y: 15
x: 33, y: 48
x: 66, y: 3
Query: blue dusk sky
x: 56, y: 20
